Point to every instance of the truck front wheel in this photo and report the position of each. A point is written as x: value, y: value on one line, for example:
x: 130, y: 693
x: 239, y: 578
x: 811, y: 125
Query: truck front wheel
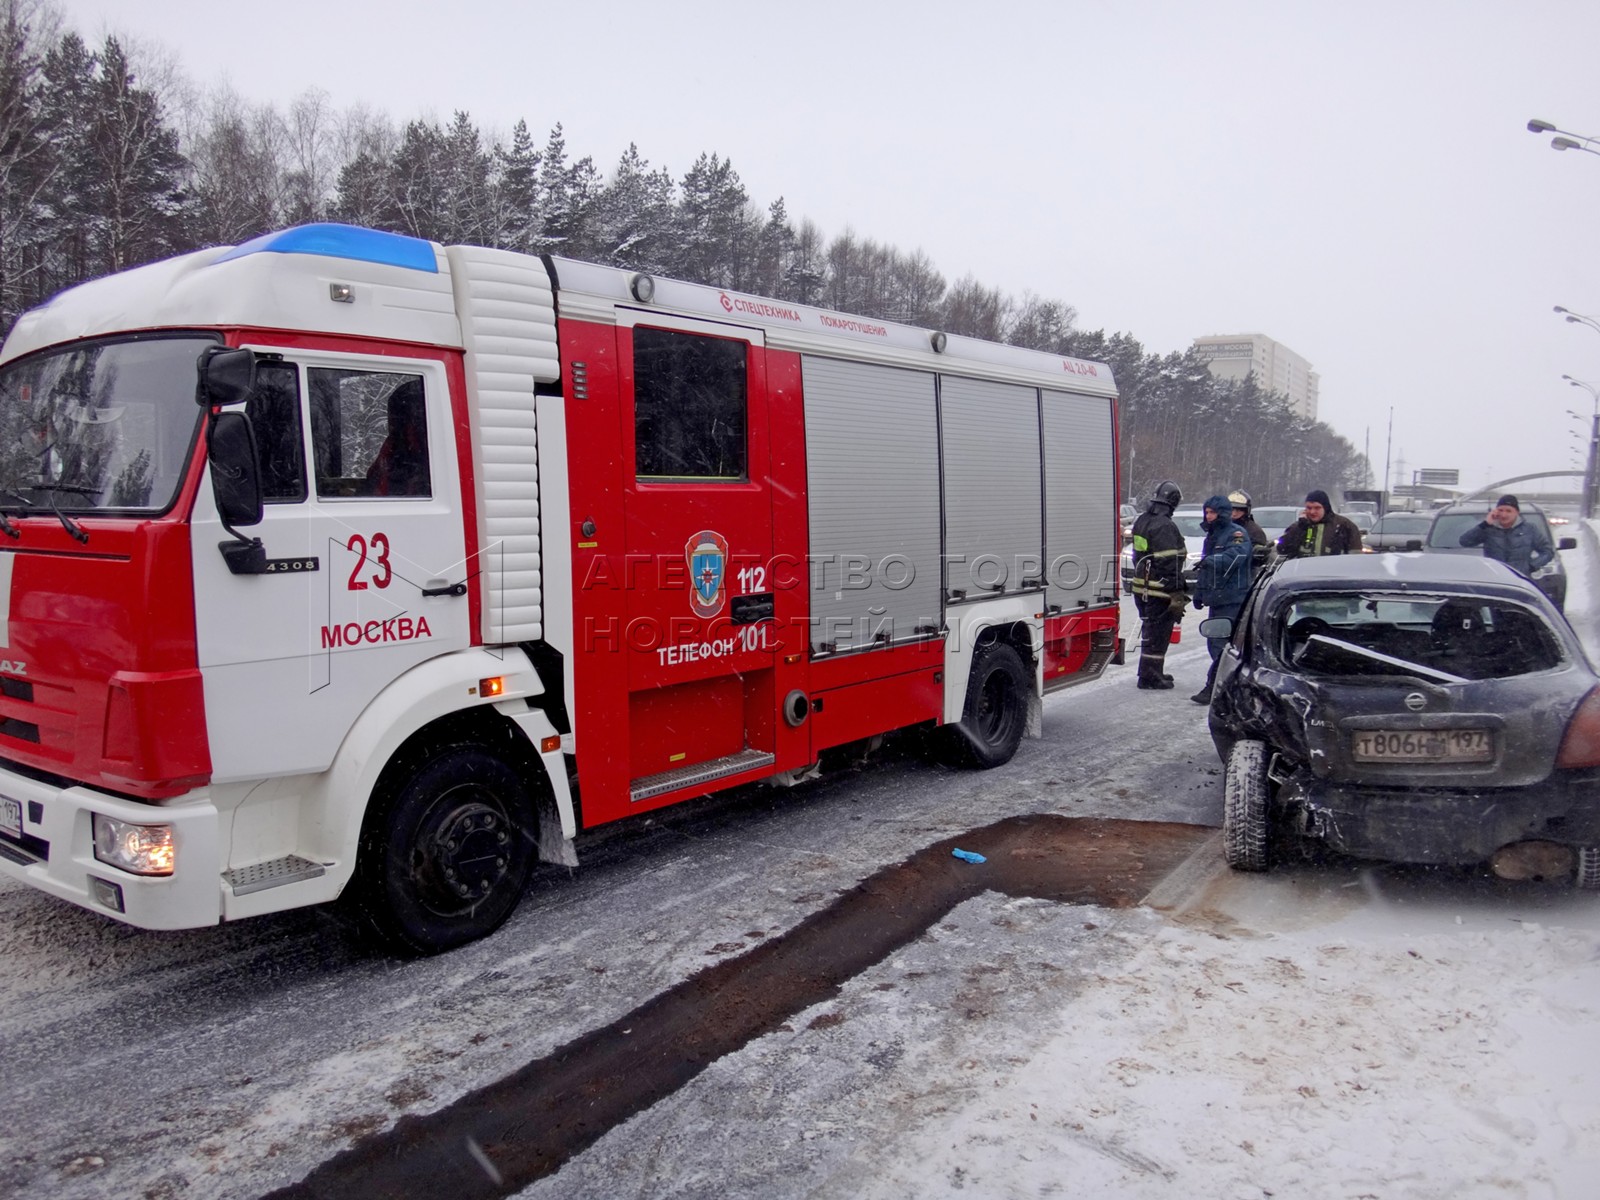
x: 446, y: 853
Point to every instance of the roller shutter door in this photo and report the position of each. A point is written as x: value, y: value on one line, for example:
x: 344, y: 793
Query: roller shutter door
x: 1080, y: 500
x: 994, y: 535
x: 872, y: 478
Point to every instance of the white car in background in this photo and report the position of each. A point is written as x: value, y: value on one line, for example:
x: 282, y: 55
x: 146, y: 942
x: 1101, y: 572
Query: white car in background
x: 1275, y: 519
x: 1188, y: 521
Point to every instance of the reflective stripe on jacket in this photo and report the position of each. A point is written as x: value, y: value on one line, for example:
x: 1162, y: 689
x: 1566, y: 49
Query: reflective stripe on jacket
x: 1159, y: 552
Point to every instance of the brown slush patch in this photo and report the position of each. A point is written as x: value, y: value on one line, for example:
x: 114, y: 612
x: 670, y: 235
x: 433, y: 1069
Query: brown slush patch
x: 497, y: 1140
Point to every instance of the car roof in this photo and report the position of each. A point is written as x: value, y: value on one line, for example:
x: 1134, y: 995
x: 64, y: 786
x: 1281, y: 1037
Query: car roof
x: 1482, y: 506
x: 1450, y: 572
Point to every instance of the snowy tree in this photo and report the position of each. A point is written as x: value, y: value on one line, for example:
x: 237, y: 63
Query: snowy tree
x: 975, y: 310
x: 29, y: 165
x: 469, y: 200
x: 130, y: 172
x: 716, y: 225
x: 633, y: 215
x: 915, y: 289
x: 566, y: 198
x: 419, y: 182
x: 364, y: 192
x: 775, y: 246
x: 1040, y: 324
x: 236, y: 179
x: 310, y: 167
x: 516, y: 192
x: 806, y: 275
x: 92, y: 179
x: 364, y: 195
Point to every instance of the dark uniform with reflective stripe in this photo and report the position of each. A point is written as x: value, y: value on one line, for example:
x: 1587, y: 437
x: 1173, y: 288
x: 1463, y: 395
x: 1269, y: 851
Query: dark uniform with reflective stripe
x: 1159, y: 552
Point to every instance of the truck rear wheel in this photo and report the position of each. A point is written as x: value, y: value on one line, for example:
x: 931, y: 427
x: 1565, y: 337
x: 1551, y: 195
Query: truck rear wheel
x: 996, y: 712
x: 446, y: 854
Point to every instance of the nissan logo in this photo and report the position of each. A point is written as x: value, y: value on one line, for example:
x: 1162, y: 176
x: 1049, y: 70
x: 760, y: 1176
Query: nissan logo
x: 1416, y: 702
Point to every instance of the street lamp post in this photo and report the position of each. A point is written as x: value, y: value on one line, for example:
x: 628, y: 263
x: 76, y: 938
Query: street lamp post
x: 1579, y: 318
x: 1591, y: 470
x: 1565, y: 139
x: 1591, y: 467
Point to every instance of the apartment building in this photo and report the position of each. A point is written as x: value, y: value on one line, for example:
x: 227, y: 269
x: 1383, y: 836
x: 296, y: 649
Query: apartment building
x: 1277, y: 368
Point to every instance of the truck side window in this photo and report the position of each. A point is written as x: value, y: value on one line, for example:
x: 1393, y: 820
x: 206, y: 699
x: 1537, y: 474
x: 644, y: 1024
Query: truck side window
x: 369, y: 433
x: 689, y: 401
x: 274, y: 411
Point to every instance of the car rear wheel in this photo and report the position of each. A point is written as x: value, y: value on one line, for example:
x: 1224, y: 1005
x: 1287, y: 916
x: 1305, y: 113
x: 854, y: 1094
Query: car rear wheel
x: 1246, y: 793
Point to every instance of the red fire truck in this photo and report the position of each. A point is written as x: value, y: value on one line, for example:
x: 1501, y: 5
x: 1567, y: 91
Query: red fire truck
x: 341, y: 564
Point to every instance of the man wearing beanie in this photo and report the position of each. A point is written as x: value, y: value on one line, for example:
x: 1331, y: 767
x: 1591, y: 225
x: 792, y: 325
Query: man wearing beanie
x: 1320, y: 531
x: 1504, y: 535
x: 1223, y: 578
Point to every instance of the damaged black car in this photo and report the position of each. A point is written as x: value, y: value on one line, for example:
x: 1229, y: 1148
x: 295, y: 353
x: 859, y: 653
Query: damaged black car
x: 1408, y: 708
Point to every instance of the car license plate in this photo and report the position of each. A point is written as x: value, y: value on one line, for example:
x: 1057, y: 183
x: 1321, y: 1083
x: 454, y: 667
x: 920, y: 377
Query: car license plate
x: 11, y: 816
x: 1423, y: 745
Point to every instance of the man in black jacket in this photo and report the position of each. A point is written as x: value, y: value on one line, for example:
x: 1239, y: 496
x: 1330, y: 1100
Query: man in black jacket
x: 1159, y: 552
x: 1320, y: 531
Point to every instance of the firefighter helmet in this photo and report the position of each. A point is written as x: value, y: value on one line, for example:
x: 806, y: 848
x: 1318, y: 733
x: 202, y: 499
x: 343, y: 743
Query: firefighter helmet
x: 1240, y: 499
x: 1167, y: 493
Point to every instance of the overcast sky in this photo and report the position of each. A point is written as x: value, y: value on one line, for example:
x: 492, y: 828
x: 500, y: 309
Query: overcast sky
x: 1352, y: 179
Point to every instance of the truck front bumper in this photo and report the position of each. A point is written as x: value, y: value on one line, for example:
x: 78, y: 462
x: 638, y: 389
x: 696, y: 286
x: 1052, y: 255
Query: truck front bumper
x: 55, y: 853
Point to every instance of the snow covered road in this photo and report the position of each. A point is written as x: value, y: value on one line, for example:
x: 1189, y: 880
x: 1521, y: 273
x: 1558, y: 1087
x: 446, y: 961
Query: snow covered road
x: 1324, y: 1031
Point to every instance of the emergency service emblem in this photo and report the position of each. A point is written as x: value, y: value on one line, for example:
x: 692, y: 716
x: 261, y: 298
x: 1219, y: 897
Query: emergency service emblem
x: 707, y: 555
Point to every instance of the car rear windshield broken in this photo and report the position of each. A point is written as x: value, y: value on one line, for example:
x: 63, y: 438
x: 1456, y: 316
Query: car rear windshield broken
x: 1444, y: 639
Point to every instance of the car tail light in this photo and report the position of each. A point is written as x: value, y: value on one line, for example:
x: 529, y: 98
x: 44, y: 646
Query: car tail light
x: 1581, y: 745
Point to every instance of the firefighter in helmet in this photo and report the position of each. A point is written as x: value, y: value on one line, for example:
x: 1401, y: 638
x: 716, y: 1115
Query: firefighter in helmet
x: 1260, y: 543
x: 1159, y: 552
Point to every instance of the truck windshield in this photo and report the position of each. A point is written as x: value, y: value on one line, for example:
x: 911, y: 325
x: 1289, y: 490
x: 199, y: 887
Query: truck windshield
x: 99, y: 426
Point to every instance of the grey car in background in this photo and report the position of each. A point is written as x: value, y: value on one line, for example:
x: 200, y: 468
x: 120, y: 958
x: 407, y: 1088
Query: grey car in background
x: 1449, y: 523
x: 1397, y: 531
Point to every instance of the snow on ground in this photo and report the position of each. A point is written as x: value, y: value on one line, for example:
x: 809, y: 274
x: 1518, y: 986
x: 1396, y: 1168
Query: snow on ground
x: 1382, y: 1053
x: 1325, y: 1031
x: 1414, y: 1037
x: 1356, y: 1033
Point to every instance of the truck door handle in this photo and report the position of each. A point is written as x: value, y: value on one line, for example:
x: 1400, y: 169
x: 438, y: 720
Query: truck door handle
x: 448, y: 589
x: 747, y: 610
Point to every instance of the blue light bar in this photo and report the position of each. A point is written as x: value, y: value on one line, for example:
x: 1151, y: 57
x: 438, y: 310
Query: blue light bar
x: 344, y: 241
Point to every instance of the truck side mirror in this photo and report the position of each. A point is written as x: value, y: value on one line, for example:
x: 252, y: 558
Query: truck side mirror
x: 235, y: 470
x: 226, y: 377
x: 1567, y: 543
x: 1414, y: 544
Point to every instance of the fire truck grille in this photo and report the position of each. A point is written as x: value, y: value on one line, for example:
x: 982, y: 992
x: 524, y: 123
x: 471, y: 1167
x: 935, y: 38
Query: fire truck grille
x: 258, y: 877
x: 682, y: 777
x: 23, y: 731
x: 26, y: 851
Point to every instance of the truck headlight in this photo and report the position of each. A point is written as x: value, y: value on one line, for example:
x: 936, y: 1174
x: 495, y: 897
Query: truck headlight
x: 141, y: 849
